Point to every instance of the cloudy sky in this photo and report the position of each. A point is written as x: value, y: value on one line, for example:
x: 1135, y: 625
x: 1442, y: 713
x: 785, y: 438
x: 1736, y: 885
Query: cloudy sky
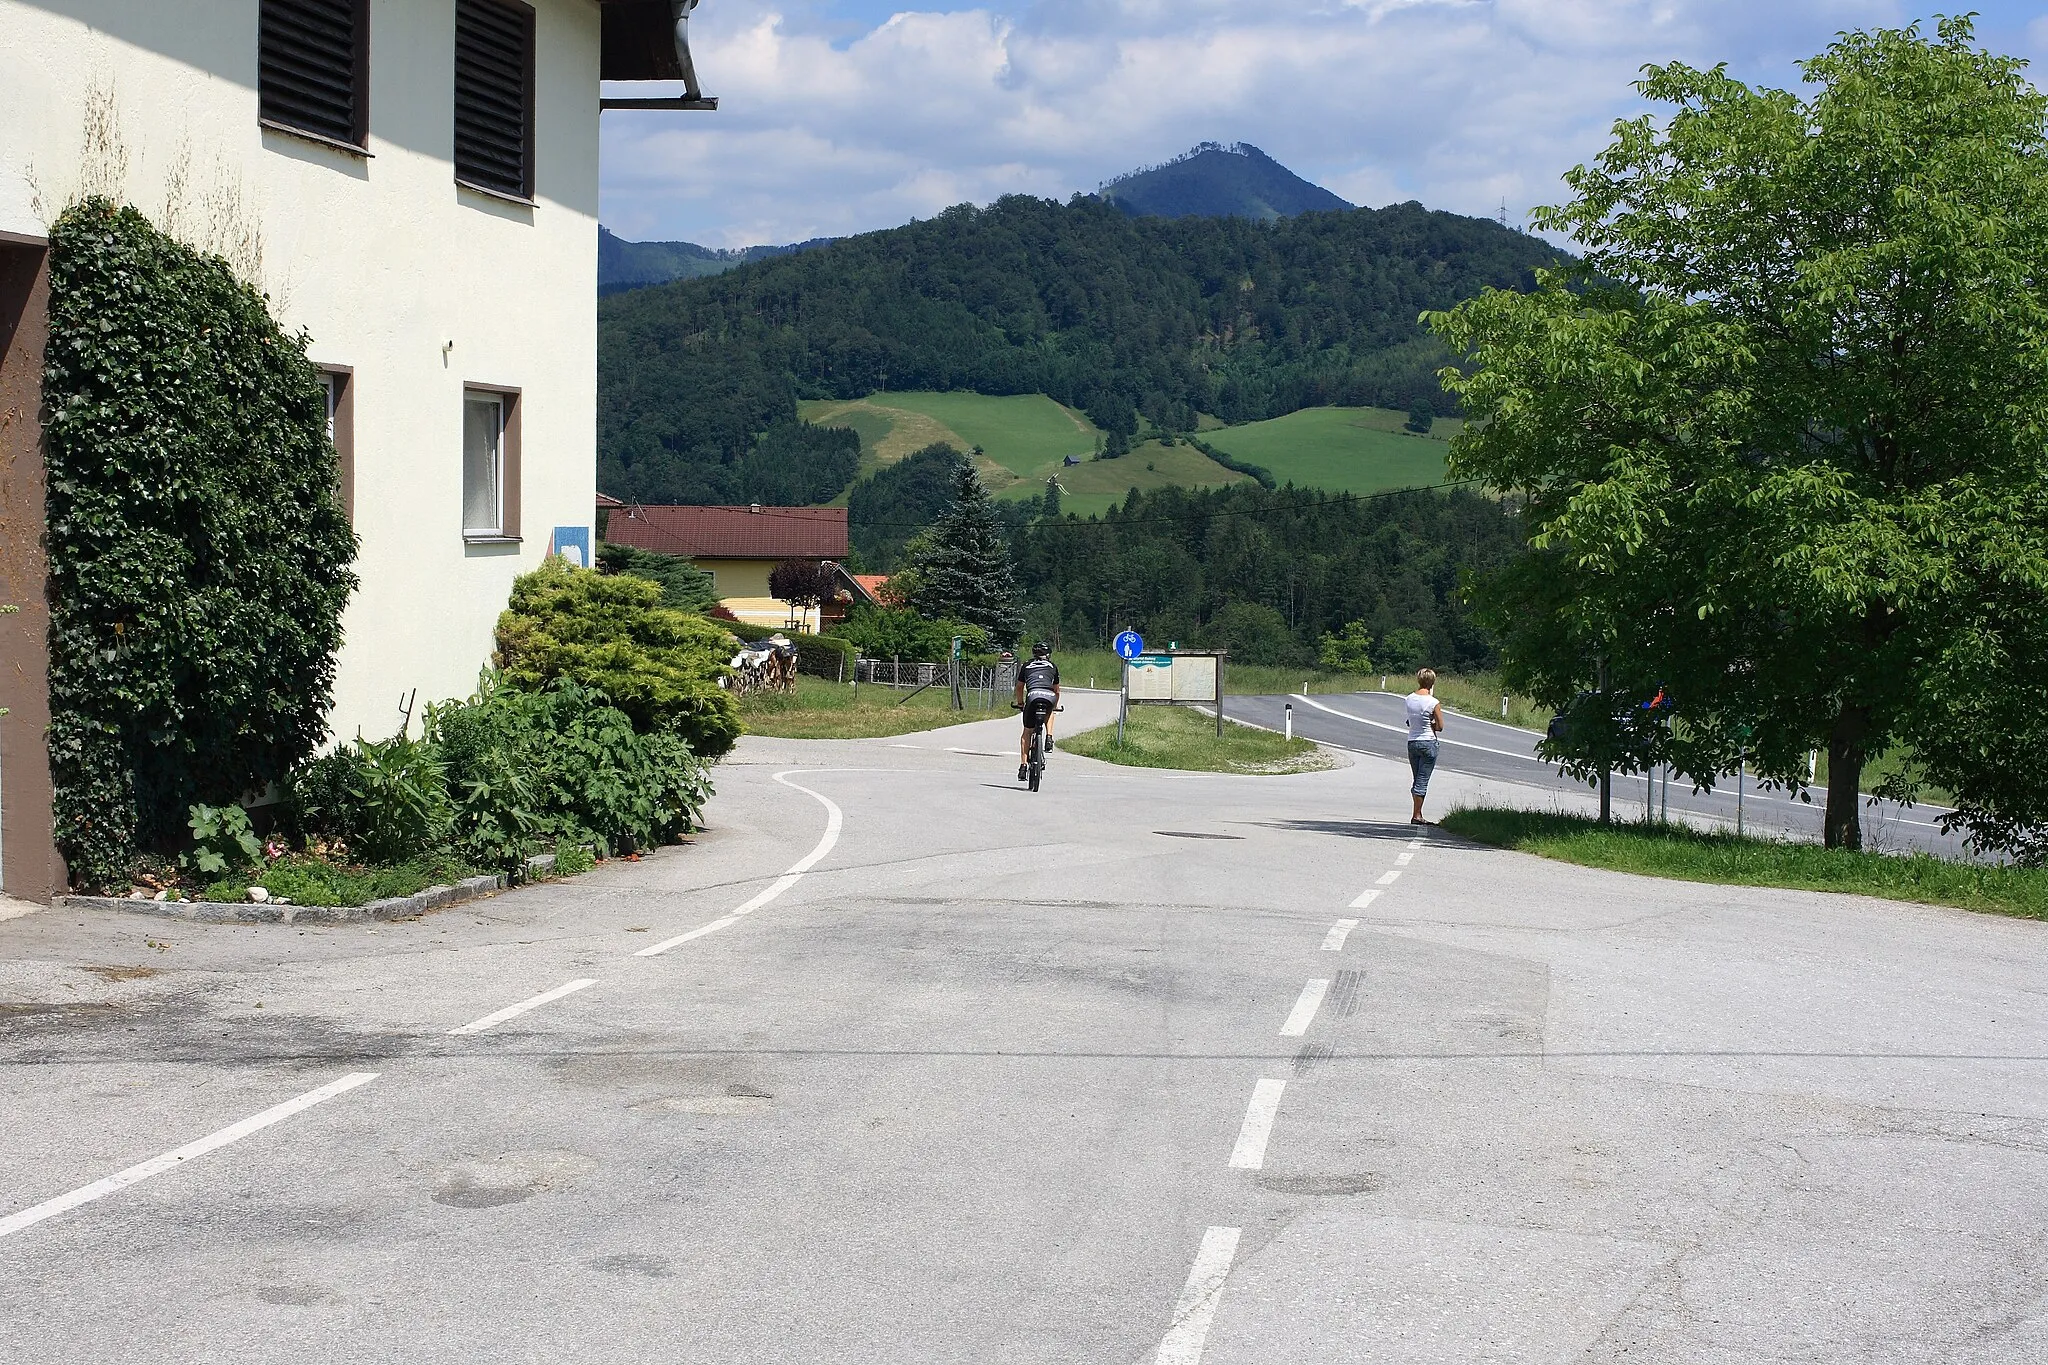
x: 841, y: 116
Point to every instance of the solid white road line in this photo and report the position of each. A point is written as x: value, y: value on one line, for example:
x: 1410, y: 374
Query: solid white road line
x: 1305, y: 1006
x: 514, y: 1011
x: 1402, y: 730
x: 1250, y: 1153
x: 834, y: 822
x: 157, y: 1165
x: 1389, y: 878
x: 1196, y: 1309
x: 1365, y: 898
x: 1333, y: 942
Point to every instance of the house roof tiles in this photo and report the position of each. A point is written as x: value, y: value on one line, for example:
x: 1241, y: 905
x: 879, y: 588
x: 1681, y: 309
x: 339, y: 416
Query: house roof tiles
x: 733, y: 532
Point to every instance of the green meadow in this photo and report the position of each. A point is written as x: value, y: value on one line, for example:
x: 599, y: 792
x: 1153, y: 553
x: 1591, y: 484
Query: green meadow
x: 1351, y: 450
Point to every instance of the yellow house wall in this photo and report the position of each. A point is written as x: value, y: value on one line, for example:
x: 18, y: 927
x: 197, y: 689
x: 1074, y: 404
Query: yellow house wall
x: 733, y: 578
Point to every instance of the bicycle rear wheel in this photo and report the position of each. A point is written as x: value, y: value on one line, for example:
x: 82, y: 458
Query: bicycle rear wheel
x: 1037, y: 756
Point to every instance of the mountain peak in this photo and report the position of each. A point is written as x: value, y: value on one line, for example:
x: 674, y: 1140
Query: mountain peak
x: 1217, y: 181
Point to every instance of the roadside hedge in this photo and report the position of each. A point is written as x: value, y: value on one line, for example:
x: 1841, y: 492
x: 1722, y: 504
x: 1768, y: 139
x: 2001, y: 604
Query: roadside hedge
x: 199, y: 555
x: 821, y: 656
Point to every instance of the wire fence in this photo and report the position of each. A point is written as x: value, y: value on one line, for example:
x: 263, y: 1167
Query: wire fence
x: 977, y: 687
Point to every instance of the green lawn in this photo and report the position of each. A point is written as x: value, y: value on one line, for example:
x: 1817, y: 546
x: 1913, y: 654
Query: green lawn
x: 1181, y: 737
x: 1684, y: 854
x: 828, y: 710
x: 1354, y: 450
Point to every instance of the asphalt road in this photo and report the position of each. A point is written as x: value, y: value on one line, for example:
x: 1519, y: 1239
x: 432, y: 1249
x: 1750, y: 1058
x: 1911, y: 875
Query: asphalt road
x: 1371, y: 722
x: 1148, y: 1067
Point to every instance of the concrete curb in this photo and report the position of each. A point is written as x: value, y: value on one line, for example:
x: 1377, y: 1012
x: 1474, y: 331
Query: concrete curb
x: 269, y: 912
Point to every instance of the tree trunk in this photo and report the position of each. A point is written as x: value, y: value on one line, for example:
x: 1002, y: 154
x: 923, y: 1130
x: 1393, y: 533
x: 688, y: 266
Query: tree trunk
x: 1843, y: 827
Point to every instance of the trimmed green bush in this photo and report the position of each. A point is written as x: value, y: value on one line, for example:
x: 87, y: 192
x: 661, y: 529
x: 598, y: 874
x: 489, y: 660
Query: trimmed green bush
x: 610, y: 633
x: 199, y: 555
x: 900, y: 633
x: 821, y: 656
x: 684, y: 586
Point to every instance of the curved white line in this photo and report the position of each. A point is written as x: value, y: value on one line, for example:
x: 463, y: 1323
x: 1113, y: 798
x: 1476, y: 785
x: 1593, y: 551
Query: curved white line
x: 835, y: 820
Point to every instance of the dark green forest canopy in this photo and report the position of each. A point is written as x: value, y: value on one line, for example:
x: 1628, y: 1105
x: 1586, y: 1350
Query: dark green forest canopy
x: 1115, y: 315
x: 1171, y: 562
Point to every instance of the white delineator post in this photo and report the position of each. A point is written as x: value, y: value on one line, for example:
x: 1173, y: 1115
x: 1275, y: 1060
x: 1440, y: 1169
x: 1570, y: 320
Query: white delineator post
x: 1289, y: 713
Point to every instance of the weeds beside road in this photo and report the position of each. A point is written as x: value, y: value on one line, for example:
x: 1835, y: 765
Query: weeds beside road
x: 1685, y: 854
x: 828, y: 710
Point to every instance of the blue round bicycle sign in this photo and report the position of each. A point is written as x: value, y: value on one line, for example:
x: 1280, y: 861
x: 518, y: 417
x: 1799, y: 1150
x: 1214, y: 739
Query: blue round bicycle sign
x: 1130, y: 645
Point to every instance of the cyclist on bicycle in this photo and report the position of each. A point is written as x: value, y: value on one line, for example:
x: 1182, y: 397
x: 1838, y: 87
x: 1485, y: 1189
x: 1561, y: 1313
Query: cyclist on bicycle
x: 1038, y: 696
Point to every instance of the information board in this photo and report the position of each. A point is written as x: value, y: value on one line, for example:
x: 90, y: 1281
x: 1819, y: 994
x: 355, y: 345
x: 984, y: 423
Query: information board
x: 1192, y: 678
x: 1149, y: 677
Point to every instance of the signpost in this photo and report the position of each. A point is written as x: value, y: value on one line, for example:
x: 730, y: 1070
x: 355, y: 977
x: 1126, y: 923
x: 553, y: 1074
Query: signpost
x: 1175, y: 676
x: 1129, y: 645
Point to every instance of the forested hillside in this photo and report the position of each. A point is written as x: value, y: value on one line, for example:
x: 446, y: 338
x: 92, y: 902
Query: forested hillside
x: 1266, y: 573
x: 1116, y: 315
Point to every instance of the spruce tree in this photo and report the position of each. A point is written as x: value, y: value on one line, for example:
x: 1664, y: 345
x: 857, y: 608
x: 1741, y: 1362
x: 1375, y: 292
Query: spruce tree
x: 960, y: 569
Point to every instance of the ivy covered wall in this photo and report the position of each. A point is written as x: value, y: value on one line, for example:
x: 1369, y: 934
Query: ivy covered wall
x: 199, y: 555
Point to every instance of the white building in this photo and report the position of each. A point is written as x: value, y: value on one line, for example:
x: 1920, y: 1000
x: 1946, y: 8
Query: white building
x: 415, y: 183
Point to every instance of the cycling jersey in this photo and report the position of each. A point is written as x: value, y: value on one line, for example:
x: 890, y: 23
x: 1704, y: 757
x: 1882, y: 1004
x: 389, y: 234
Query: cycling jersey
x: 1041, y: 680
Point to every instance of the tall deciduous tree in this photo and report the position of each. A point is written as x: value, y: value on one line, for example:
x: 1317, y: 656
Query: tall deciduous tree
x: 1782, y: 435
x: 960, y: 569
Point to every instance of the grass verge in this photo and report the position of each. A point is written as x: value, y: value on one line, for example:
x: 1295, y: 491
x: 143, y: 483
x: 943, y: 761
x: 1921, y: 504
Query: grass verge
x: 1684, y: 854
x: 305, y: 880
x: 1180, y: 737
x: 828, y: 710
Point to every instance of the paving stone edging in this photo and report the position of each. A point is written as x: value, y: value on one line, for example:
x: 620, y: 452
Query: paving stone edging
x: 270, y: 912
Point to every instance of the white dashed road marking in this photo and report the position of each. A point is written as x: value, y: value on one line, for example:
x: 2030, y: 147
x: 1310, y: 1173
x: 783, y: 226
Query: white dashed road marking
x: 1365, y: 898
x: 1250, y: 1154
x: 514, y: 1011
x: 1405, y: 857
x: 1333, y: 942
x: 1304, y: 1012
x: 1196, y: 1309
x: 1389, y: 878
x: 157, y: 1165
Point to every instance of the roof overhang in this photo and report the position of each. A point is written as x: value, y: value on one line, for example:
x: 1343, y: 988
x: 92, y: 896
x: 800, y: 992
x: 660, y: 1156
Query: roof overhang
x: 640, y: 45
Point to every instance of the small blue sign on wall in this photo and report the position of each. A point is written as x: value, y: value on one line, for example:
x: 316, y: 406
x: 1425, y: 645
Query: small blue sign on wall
x: 1130, y: 645
x: 573, y: 544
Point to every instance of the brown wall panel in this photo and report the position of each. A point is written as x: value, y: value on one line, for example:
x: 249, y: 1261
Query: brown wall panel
x: 29, y: 865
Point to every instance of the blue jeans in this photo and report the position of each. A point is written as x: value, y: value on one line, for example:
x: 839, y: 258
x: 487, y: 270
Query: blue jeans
x: 1421, y: 762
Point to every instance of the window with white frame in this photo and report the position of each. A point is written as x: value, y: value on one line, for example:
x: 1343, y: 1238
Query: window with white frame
x: 483, y: 463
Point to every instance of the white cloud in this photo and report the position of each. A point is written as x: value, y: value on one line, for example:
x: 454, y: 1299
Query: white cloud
x: 1458, y: 103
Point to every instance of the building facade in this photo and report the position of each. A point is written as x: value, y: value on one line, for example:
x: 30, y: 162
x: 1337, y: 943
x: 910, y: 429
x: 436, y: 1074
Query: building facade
x: 415, y: 184
x: 740, y: 547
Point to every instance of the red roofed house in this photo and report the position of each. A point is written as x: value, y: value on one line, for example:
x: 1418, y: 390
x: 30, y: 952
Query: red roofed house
x: 738, y: 546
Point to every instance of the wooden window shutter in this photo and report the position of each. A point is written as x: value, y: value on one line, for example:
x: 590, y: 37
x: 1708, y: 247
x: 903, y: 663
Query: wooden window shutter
x: 494, y: 96
x: 313, y: 68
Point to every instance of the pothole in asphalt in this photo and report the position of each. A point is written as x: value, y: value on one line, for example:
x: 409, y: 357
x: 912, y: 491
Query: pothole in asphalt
x: 738, y: 1101
x: 1190, y: 834
x: 1367, y: 1182
x: 509, y: 1179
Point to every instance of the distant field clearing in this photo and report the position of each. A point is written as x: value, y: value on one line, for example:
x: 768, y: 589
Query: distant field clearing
x: 1018, y: 434
x: 1351, y: 450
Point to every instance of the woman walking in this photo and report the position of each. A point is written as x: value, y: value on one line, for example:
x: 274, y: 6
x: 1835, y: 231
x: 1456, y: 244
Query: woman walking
x: 1425, y: 723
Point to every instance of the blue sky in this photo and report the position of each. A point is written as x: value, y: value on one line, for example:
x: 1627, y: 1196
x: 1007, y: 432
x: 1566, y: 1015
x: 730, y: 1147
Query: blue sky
x: 842, y: 116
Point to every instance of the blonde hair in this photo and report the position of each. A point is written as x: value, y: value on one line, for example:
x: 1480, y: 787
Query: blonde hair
x: 1426, y: 679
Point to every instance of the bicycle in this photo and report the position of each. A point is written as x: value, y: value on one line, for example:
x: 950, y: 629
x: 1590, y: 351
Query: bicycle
x: 1035, y: 767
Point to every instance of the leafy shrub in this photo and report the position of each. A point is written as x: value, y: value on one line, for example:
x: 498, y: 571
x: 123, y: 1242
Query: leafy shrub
x: 319, y: 798
x: 199, y: 555
x: 222, y: 840
x: 611, y: 634
x: 1347, y: 650
x: 898, y: 632
x: 401, y: 796
x: 1253, y: 633
x: 527, y: 769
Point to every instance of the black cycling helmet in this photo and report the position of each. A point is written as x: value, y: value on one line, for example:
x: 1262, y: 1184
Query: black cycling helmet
x: 1040, y: 650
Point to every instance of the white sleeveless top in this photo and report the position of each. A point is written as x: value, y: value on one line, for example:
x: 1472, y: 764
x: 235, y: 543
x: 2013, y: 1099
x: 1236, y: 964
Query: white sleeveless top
x: 1420, y: 707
